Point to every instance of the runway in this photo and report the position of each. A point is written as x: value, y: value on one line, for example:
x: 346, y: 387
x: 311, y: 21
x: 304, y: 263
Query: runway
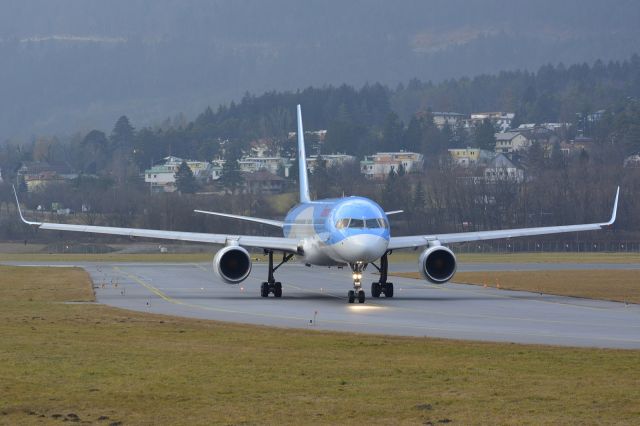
x: 315, y: 298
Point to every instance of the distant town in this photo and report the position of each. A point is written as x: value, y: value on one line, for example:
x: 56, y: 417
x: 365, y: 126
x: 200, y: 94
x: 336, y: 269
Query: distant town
x: 265, y: 170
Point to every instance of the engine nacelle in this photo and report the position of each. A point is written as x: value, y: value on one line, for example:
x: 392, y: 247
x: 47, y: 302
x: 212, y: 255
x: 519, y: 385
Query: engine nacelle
x: 232, y: 264
x: 437, y: 264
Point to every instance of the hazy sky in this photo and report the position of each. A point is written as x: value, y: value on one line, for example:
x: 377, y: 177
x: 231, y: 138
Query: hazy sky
x: 71, y: 65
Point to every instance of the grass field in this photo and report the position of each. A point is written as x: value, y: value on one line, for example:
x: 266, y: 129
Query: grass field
x: 616, y: 285
x: 98, y: 364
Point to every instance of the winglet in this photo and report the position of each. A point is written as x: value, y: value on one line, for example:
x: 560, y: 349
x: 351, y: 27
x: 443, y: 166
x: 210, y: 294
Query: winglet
x: 615, y: 209
x: 20, y: 210
x: 302, y: 162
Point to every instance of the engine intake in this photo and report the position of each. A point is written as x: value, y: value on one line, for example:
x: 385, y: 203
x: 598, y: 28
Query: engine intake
x: 437, y: 264
x: 232, y: 264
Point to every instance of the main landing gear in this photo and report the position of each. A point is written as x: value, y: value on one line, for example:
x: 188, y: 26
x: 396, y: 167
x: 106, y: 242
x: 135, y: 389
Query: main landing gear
x: 271, y: 285
x: 382, y: 286
x: 357, y: 291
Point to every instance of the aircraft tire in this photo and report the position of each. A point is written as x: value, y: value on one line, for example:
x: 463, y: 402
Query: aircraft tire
x: 352, y: 296
x: 375, y: 289
x: 388, y: 290
x: 264, y: 289
x: 361, y: 296
x: 277, y: 292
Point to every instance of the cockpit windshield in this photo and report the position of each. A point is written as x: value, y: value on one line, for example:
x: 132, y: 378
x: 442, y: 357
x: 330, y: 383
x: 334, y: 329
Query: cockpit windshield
x: 362, y: 223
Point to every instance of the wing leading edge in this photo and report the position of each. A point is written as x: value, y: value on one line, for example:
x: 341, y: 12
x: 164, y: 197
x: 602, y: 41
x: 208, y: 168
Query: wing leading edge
x: 273, y: 243
x: 270, y: 222
x: 423, y: 240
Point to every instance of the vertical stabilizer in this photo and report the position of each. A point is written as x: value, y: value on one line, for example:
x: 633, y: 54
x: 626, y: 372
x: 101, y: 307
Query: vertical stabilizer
x: 302, y: 163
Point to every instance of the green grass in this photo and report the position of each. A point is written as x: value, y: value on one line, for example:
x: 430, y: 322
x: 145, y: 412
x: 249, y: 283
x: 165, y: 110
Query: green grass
x: 94, y: 361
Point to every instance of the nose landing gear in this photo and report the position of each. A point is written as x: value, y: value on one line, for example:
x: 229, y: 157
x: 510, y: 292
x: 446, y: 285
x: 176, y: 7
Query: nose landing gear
x: 357, y: 291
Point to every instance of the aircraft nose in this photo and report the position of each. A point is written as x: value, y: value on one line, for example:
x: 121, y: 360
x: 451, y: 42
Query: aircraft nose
x: 362, y: 248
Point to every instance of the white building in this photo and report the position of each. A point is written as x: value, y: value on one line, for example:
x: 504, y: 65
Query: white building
x: 270, y: 164
x: 502, y: 120
x: 441, y: 119
x: 507, y: 142
x: 378, y: 166
x: 162, y: 177
x: 331, y: 160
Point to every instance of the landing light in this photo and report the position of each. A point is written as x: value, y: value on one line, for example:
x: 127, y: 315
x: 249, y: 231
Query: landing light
x: 356, y: 276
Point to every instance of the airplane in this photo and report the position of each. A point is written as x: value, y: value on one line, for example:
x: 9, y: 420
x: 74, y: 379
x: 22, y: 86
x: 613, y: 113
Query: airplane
x: 348, y: 231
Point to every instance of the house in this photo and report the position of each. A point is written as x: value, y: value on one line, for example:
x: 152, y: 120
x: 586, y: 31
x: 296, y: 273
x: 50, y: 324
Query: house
x: 378, y: 166
x: 331, y: 160
x: 270, y: 164
x: 262, y: 182
x: 442, y: 119
x: 508, y: 142
x: 162, y: 177
x: 465, y: 157
x: 38, y: 175
x: 501, y: 120
x: 503, y: 169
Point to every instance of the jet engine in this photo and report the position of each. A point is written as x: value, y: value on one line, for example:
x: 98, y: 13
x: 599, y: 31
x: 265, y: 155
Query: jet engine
x: 232, y: 264
x: 437, y: 264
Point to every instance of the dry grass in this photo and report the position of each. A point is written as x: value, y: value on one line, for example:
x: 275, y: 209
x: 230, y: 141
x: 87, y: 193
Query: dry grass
x: 616, y: 285
x: 93, y: 361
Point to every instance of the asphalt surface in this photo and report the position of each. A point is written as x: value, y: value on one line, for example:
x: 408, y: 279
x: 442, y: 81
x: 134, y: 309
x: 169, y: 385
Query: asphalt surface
x: 315, y: 298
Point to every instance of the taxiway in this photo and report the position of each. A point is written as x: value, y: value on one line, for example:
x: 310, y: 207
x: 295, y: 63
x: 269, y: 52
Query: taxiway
x: 315, y: 298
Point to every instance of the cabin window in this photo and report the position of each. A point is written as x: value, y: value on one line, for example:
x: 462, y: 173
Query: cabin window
x: 372, y: 223
x: 356, y: 223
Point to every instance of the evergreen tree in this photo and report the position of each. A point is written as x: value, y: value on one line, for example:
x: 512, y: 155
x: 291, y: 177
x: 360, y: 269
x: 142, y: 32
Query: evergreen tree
x: 185, y: 181
x: 123, y: 133
x: 231, y: 177
x: 485, y: 135
x: 389, y: 192
x: 392, y: 133
x: 413, y: 135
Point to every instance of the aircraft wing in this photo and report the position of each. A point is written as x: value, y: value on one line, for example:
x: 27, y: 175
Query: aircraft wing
x: 270, y: 222
x: 423, y: 240
x: 273, y: 243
